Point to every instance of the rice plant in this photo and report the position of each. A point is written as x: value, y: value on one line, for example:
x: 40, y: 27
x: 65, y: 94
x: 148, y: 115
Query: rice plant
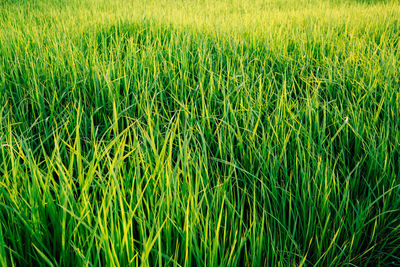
x: 199, y: 132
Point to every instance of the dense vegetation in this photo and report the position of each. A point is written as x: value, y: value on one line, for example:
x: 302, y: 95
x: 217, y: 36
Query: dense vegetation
x: 199, y: 132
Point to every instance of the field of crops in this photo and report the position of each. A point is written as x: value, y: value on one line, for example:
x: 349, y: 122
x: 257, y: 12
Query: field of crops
x: 199, y: 132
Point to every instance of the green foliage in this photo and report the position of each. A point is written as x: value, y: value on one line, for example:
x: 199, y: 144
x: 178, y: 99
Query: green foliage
x: 199, y: 133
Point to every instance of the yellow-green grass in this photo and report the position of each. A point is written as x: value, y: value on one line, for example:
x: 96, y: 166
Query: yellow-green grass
x: 190, y: 133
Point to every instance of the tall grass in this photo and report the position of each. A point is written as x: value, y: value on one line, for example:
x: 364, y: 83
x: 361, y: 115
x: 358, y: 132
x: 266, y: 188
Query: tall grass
x: 199, y: 133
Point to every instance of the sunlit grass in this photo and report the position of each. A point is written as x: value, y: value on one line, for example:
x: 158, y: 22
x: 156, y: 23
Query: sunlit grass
x: 199, y: 133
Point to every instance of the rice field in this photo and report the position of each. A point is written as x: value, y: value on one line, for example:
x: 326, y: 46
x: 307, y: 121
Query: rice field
x: 199, y: 132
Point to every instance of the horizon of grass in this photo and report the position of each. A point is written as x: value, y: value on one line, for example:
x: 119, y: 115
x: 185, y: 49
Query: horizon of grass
x: 199, y: 133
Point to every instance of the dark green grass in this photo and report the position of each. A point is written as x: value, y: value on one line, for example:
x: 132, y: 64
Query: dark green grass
x: 222, y: 137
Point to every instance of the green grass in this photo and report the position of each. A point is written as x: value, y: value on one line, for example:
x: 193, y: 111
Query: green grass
x: 190, y: 133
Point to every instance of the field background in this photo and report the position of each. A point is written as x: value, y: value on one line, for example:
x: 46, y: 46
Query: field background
x: 199, y: 133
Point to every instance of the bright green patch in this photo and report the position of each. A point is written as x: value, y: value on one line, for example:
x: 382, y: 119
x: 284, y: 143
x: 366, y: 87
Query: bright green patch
x: 199, y: 133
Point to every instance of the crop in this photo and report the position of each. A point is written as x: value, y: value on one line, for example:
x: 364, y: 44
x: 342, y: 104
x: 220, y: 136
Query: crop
x: 192, y: 133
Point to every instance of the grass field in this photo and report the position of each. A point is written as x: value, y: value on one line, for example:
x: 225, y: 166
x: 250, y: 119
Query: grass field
x: 199, y: 132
